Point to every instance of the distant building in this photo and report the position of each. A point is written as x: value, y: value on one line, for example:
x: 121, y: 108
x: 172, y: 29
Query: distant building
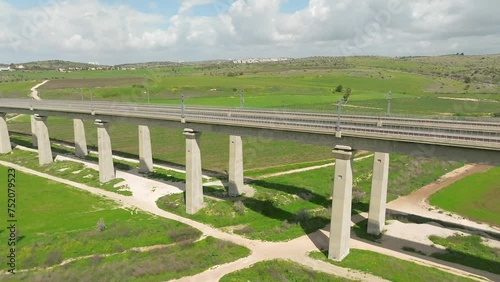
x: 259, y: 60
x: 20, y: 67
x: 5, y: 69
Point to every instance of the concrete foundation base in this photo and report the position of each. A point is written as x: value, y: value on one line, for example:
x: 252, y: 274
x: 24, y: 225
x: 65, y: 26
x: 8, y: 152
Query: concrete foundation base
x: 43, y: 139
x: 340, y: 226
x: 378, y: 197
x: 236, y: 186
x: 194, y: 185
x: 81, y: 150
x: 145, y: 152
x: 106, y: 166
x: 5, y: 146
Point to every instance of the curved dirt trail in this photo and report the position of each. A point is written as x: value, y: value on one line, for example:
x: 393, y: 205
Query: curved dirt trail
x: 416, y: 203
x: 34, y: 90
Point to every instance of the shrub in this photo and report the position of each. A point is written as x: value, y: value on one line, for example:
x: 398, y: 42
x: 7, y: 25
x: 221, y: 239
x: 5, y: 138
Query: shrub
x: 339, y: 88
x: 302, y: 215
x: 53, y: 258
x: 239, y: 207
x: 101, y: 226
x: 358, y: 195
x: 244, y: 230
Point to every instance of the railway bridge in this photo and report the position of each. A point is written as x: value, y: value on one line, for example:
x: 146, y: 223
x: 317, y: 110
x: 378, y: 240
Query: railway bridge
x: 470, y: 141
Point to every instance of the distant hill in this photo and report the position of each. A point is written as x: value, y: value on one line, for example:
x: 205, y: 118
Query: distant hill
x: 55, y: 65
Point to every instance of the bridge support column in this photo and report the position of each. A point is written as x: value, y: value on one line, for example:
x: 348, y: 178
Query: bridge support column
x: 378, y: 197
x: 106, y: 166
x: 34, y: 139
x: 81, y: 150
x: 194, y: 184
x: 236, y: 185
x: 43, y: 140
x: 340, y: 225
x: 145, y: 152
x: 5, y: 146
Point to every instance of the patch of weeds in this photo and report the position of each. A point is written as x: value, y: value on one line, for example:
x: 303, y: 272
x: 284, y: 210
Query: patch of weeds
x: 244, y: 230
x: 302, y: 215
x: 469, y: 251
x: 413, y: 250
x: 239, y: 207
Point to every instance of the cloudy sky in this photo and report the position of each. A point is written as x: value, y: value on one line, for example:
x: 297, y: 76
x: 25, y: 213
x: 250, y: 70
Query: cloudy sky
x: 114, y: 31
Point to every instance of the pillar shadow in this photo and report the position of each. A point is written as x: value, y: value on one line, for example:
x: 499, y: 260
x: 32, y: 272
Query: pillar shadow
x: 450, y: 258
x: 406, y: 217
x: 302, y: 193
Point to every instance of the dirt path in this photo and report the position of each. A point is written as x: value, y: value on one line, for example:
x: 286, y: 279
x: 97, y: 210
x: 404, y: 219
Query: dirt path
x: 416, y: 202
x: 308, y: 168
x: 34, y: 90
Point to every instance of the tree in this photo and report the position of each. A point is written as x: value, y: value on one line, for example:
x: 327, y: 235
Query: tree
x: 339, y: 88
x: 347, y: 94
x: 467, y: 79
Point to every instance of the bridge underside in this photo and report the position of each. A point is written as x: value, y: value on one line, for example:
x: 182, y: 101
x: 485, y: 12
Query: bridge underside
x: 384, y: 144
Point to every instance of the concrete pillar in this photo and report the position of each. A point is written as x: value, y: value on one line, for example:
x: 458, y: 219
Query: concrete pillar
x: 378, y: 197
x: 340, y: 226
x: 145, y: 152
x: 34, y: 139
x: 194, y: 185
x: 236, y: 185
x: 5, y: 146
x: 43, y: 139
x: 106, y: 167
x: 81, y: 150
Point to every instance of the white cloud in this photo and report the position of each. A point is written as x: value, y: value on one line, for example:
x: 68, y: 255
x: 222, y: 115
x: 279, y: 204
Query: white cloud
x: 188, y: 4
x: 92, y: 30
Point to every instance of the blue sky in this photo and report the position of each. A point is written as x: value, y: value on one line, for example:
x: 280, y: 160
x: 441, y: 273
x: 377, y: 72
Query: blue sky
x: 114, y: 31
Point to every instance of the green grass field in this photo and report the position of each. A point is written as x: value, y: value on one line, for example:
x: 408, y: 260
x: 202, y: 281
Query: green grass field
x: 390, y: 268
x: 475, y: 197
x: 418, y: 84
x: 168, y: 145
x: 57, y: 222
x: 469, y: 251
x: 289, y: 206
x: 279, y: 270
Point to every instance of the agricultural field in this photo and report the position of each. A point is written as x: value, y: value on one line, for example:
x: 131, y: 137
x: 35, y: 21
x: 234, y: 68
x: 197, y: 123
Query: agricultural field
x: 94, y: 236
x: 446, y: 85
